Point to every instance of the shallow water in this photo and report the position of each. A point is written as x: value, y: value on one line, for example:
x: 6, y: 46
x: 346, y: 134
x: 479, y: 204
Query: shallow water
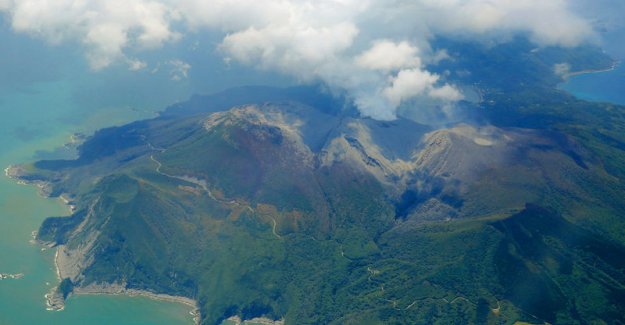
x: 47, y: 93
x: 605, y: 86
x: 34, y: 120
x: 601, y: 87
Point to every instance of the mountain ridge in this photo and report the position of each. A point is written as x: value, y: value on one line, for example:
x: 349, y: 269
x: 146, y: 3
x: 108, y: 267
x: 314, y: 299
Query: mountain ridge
x: 300, y: 209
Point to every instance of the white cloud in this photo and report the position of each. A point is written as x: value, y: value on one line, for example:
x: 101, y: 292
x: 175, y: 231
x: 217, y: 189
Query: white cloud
x: 447, y: 93
x: 180, y: 70
x: 411, y: 83
x: 561, y: 69
x: 136, y: 65
x: 105, y: 27
x: 386, y: 55
x: 547, y: 22
x: 373, y: 49
x: 292, y: 48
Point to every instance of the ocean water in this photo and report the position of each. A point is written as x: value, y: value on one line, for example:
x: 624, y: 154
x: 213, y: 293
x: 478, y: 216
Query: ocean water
x: 34, y: 121
x: 46, y: 95
x: 600, y: 87
x: 605, y: 86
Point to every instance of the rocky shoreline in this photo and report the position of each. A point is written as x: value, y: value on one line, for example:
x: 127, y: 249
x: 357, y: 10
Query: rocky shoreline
x: 44, y: 188
x: 15, y: 276
x: 120, y: 289
x: 68, y: 265
x: 17, y: 173
x: 570, y: 74
x: 55, y: 299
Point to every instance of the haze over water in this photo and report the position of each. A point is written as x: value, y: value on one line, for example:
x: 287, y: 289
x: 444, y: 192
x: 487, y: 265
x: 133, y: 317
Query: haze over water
x: 41, y: 116
x: 26, y: 129
x: 600, y: 87
x: 48, y: 93
x: 605, y: 86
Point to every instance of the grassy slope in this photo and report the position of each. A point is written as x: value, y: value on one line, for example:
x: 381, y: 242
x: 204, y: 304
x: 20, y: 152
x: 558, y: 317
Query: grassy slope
x: 338, y: 256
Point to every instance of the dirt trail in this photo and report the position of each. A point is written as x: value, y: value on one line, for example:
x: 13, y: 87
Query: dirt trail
x: 204, y: 186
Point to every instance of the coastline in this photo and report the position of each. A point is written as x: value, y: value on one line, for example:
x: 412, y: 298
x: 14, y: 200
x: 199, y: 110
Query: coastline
x: 121, y: 290
x: 54, y: 298
x: 15, y: 276
x: 56, y: 302
x: 15, y: 172
x: 568, y: 75
x: 10, y: 172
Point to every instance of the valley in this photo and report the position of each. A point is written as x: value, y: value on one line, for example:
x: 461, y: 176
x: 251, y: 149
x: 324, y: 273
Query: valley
x: 300, y: 210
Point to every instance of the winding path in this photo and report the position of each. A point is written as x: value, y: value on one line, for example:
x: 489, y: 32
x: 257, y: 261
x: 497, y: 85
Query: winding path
x: 204, y: 186
x: 274, y: 227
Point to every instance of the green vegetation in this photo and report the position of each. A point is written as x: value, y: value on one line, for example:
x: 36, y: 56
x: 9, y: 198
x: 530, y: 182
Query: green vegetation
x: 247, y: 220
x: 66, y: 287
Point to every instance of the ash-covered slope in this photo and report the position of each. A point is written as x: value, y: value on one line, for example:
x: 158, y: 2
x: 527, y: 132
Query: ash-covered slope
x: 286, y: 204
x: 286, y: 211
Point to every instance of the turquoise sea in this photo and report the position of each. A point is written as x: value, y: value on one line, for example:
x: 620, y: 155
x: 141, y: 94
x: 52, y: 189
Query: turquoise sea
x: 48, y: 93
x: 601, y: 86
x: 34, y: 121
x: 605, y: 86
